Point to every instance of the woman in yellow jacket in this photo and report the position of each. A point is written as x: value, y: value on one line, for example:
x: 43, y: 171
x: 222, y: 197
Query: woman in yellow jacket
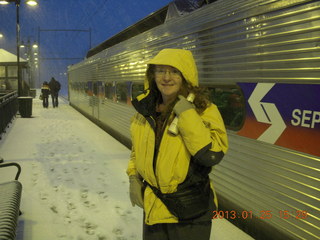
x: 169, y: 171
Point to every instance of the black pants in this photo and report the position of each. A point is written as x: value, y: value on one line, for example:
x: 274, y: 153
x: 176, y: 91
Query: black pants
x: 177, y: 231
x: 45, y: 102
x: 54, y: 97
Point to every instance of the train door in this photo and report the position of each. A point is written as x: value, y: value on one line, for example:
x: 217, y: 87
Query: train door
x: 109, y: 91
x: 123, y: 92
x: 98, y: 94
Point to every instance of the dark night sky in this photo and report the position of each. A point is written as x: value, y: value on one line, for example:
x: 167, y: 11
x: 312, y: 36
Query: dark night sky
x: 105, y: 18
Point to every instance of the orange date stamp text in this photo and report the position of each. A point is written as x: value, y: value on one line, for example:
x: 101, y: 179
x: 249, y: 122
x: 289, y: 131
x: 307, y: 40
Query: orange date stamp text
x: 263, y: 214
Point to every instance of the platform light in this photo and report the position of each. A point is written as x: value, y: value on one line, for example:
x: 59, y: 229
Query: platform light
x: 32, y: 2
x: 17, y: 3
x: 29, y: 2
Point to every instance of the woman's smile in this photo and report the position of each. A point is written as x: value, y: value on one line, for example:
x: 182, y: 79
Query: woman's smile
x: 169, y: 81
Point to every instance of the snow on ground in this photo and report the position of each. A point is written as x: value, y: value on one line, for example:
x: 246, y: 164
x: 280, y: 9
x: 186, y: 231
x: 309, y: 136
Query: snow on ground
x: 74, y: 181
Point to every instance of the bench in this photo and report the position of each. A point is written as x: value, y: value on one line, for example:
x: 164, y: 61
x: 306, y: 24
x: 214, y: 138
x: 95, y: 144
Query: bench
x: 10, y: 196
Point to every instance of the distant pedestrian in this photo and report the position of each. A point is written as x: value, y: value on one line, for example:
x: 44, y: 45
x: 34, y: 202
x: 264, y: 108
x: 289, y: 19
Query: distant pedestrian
x: 54, y: 89
x: 45, y: 92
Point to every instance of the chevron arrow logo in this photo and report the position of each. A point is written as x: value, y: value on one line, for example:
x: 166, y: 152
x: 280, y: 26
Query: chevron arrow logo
x: 266, y: 113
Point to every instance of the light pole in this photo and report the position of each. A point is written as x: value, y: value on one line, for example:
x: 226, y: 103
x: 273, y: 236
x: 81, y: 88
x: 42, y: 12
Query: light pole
x: 17, y: 2
x: 31, y: 54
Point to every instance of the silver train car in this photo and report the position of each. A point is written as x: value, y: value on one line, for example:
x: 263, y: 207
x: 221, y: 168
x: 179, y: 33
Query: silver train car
x: 260, y: 60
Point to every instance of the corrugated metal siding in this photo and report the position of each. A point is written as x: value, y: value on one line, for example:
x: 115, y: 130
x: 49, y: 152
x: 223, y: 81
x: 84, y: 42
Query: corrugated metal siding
x: 262, y: 177
x: 235, y: 41
x: 117, y: 116
x: 274, y: 46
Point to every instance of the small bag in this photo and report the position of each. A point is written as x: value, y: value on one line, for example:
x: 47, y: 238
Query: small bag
x: 40, y: 97
x: 189, y: 203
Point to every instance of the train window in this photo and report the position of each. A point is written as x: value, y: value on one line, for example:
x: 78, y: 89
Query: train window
x: 89, y: 88
x: 122, y: 92
x: 98, y: 89
x: 95, y: 88
x: 230, y: 102
x: 109, y: 90
x: 78, y: 86
x: 84, y: 87
x: 137, y: 89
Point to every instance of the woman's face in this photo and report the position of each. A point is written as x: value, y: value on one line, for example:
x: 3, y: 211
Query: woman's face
x: 169, y: 81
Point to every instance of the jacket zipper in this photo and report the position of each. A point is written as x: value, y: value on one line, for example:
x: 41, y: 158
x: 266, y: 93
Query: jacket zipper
x: 156, y: 151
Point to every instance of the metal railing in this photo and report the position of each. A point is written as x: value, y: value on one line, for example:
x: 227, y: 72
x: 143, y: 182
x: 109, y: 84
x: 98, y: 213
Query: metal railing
x: 8, y: 109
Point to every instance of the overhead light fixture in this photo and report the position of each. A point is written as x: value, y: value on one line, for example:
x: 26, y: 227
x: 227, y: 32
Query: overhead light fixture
x: 32, y: 2
x: 29, y: 2
x: 17, y: 3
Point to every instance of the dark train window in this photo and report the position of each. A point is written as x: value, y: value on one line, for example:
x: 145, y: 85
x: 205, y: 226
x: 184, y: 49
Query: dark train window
x: 109, y: 91
x: 83, y: 87
x: 100, y: 89
x: 89, y: 88
x: 95, y: 88
x: 230, y: 101
x: 80, y: 86
x: 122, y: 92
x: 136, y: 90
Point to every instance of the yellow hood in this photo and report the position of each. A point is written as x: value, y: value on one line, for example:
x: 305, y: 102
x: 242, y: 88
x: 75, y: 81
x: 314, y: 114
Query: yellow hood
x: 180, y: 59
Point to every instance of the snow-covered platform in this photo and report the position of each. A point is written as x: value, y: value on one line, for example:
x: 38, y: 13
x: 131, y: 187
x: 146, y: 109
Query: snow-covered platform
x: 74, y: 181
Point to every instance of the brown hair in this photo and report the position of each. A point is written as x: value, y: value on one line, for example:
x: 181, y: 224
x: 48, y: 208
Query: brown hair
x: 201, y: 100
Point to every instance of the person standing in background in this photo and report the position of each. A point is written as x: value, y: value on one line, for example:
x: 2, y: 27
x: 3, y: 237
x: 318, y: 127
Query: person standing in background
x: 45, y: 92
x: 54, y: 89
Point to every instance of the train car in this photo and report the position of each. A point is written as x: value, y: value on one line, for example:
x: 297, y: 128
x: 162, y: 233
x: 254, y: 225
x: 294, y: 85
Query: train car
x: 260, y: 60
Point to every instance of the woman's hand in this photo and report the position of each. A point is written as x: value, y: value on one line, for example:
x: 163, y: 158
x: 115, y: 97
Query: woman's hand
x: 136, y: 191
x: 182, y: 105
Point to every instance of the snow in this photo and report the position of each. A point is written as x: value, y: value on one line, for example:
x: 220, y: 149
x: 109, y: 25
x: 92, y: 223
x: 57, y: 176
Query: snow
x: 74, y: 180
x: 7, y: 57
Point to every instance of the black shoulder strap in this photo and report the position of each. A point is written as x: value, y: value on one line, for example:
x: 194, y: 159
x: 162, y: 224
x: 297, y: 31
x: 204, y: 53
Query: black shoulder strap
x: 155, y: 190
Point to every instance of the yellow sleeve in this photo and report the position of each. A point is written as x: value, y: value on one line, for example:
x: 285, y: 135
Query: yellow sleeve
x: 213, y: 120
x: 131, y: 170
x: 198, y: 131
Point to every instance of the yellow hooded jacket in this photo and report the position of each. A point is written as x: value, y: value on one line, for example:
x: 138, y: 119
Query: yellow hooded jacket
x: 198, y: 136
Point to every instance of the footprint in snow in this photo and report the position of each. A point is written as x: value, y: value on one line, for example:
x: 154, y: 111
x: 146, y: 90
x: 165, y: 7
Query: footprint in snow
x: 54, y: 209
x: 117, y: 231
x: 84, y: 193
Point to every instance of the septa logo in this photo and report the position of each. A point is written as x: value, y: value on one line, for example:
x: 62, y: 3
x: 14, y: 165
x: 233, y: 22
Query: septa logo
x: 266, y: 113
